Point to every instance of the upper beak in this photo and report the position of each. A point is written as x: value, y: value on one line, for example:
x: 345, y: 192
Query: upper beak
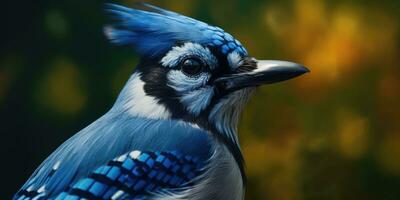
x: 266, y: 72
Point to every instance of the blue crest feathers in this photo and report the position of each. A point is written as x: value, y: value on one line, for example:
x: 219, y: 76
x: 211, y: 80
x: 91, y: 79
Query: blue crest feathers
x: 154, y: 31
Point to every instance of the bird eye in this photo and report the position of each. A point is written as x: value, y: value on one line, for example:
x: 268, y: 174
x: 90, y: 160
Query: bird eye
x: 192, y: 67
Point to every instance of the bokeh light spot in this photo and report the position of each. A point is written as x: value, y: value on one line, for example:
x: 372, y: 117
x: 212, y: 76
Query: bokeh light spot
x: 62, y: 89
x: 352, y: 136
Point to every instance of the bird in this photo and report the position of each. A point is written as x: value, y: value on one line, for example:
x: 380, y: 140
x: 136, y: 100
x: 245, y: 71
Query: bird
x: 172, y: 131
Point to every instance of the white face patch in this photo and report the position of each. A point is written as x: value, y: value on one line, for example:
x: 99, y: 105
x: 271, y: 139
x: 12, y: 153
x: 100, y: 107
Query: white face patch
x: 194, y: 95
x: 197, y: 100
x: 234, y: 60
x: 138, y: 103
x: 182, y: 83
x: 178, y: 53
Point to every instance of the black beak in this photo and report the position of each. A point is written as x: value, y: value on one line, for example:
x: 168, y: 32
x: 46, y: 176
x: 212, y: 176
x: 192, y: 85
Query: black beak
x: 266, y: 72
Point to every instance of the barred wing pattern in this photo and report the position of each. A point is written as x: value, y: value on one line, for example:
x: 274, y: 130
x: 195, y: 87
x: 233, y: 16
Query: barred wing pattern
x: 131, y: 176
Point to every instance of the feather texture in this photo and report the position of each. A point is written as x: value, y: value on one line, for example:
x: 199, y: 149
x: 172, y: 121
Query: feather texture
x: 168, y: 135
x: 154, y: 33
x: 136, y: 175
x: 110, y: 136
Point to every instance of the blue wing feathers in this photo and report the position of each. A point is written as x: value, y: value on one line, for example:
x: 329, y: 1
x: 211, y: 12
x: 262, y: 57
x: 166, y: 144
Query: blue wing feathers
x: 81, y: 160
x: 111, y: 136
x: 137, y: 174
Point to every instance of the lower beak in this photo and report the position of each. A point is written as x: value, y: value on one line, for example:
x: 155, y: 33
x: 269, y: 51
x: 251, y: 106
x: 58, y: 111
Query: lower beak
x: 266, y: 72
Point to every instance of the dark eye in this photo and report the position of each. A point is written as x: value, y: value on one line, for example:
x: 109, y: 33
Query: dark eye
x: 192, y: 67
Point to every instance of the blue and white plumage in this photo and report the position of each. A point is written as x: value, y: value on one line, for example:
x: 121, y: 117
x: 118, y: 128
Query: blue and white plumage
x: 171, y: 133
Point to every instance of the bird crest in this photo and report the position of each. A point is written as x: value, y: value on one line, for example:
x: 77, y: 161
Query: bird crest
x: 152, y: 32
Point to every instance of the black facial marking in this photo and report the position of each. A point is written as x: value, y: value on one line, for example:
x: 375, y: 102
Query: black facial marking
x: 154, y: 75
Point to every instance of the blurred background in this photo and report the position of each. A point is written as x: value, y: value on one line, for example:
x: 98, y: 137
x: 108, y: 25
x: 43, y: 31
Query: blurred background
x: 331, y: 134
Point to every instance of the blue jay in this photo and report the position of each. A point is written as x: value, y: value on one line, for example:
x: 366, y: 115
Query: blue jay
x: 172, y: 132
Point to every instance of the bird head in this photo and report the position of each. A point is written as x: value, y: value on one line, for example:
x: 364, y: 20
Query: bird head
x: 189, y: 70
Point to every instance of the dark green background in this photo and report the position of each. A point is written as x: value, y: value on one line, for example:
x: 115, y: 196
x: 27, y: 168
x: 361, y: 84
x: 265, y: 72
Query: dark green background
x: 331, y: 134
